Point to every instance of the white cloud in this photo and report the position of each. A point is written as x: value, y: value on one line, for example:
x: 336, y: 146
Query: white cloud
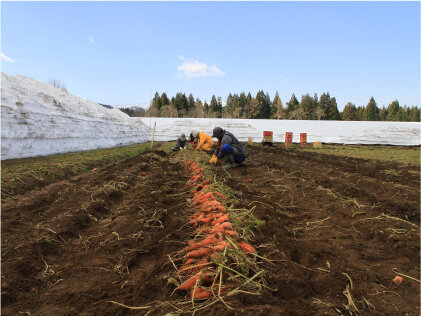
x: 193, y: 68
x: 5, y: 58
x: 284, y: 79
x: 91, y: 39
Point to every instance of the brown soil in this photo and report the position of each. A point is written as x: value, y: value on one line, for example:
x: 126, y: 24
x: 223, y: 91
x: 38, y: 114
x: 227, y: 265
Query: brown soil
x: 331, y: 223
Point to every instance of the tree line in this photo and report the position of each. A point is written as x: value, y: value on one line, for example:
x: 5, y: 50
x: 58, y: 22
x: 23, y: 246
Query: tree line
x: 262, y: 107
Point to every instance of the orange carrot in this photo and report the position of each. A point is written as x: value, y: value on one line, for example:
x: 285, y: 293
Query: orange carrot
x: 206, y: 220
x: 200, y: 294
x: 250, y: 180
x: 143, y: 173
x: 208, y: 279
x: 220, y: 220
x: 226, y: 225
x: 230, y: 233
x: 207, y: 181
x: 210, y: 240
x: 199, y: 253
x: 185, y: 266
x: 221, y: 246
x: 245, y: 246
x: 187, y: 285
x: 221, y: 195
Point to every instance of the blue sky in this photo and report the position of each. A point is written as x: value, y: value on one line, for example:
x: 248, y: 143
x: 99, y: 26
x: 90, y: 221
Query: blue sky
x: 123, y: 52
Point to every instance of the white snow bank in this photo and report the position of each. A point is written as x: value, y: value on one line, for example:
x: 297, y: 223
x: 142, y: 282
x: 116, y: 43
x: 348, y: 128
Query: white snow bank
x: 39, y: 119
x: 341, y: 132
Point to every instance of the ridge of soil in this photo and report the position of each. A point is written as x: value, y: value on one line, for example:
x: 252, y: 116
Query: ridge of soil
x: 331, y: 224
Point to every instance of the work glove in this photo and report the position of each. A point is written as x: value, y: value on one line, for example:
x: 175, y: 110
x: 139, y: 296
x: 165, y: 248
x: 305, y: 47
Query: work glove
x: 185, y: 147
x: 214, y: 159
x: 181, y: 148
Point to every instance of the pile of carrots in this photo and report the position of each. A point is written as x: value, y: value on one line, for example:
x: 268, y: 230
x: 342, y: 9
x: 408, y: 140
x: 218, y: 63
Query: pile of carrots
x: 212, y: 223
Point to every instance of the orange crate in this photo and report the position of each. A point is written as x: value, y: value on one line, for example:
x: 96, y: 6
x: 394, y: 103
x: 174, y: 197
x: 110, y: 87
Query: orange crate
x: 288, y: 137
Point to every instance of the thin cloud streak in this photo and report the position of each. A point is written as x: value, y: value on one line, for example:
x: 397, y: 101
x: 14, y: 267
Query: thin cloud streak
x: 91, y: 39
x: 5, y: 58
x: 284, y: 79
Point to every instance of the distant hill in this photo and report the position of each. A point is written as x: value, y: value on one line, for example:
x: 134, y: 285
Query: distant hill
x: 106, y: 106
x: 133, y: 106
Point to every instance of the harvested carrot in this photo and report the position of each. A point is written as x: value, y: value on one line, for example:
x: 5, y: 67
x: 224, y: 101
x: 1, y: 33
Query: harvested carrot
x: 226, y: 225
x: 230, y: 233
x: 220, y: 220
x: 221, y: 195
x: 199, y: 253
x: 245, y: 246
x: 208, y: 279
x: 186, y: 266
x: 187, y: 285
x: 143, y: 173
x: 195, y: 268
x: 250, y: 180
x: 398, y: 280
x: 200, y: 294
x: 210, y: 240
x: 206, y: 220
x: 207, y: 181
x: 221, y: 246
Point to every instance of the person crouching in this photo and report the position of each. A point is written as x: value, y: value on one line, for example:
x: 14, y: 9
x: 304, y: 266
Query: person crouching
x: 181, y: 143
x: 229, y: 147
x: 204, y: 142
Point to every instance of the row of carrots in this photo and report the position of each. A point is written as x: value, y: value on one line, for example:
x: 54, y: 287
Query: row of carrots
x: 212, y: 222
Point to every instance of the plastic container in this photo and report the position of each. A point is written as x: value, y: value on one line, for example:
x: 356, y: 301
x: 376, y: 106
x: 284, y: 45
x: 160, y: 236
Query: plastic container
x: 288, y: 137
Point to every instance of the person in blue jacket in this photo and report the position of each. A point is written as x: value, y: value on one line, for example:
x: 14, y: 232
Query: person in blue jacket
x: 229, y: 147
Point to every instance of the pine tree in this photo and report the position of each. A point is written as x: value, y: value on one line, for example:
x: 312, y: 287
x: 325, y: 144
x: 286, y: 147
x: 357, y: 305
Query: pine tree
x: 332, y: 110
x: 306, y: 107
x: 229, y: 106
x: 190, y: 103
x: 264, y: 105
x: 371, y: 112
x: 274, y: 108
x: 393, y: 111
x: 219, y: 107
x: 350, y: 112
x: 292, y: 105
x: 164, y: 99
x: 206, y: 109
x: 324, y: 105
x: 213, y: 107
x: 383, y: 114
x: 156, y: 102
x: 414, y: 115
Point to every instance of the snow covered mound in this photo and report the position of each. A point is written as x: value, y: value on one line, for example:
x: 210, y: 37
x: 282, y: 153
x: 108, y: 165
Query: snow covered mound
x: 39, y: 119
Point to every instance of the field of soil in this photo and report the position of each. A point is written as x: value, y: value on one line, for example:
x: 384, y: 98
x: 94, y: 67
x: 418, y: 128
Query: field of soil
x: 333, y: 234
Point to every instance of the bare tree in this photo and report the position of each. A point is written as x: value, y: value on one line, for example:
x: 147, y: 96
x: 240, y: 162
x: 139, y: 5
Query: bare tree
x: 57, y: 83
x: 169, y: 110
x: 319, y: 112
